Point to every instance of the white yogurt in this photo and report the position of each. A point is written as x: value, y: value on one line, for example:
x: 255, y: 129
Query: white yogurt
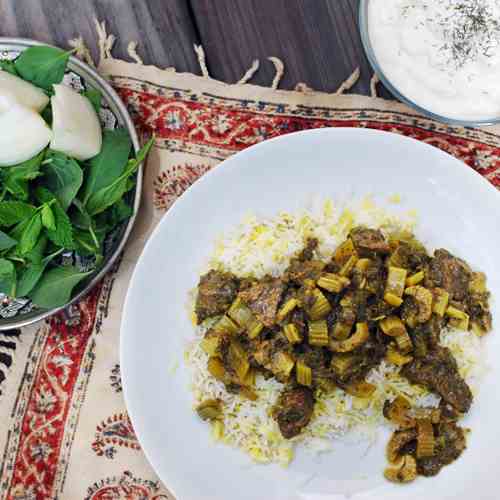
x: 444, y: 55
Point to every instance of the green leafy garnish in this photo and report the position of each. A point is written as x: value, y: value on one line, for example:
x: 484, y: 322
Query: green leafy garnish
x: 55, y: 287
x: 12, y: 212
x: 54, y: 205
x: 42, y: 66
x: 48, y: 219
x: 108, y: 195
x: 7, y: 277
x: 16, y: 178
x: 95, y: 98
x: 32, y: 274
x: 6, y: 241
x: 62, y: 234
x: 30, y: 234
x: 109, y: 164
x: 9, y: 67
x: 63, y: 176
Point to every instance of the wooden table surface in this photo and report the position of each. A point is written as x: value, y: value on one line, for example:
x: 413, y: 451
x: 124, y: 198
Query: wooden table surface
x: 317, y: 39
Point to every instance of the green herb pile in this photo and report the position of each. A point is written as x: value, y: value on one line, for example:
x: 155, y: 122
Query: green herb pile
x: 52, y: 204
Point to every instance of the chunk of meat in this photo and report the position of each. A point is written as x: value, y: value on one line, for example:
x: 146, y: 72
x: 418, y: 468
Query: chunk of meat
x: 299, y: 270
x: 369, y: 241
x: 294, y: 410
x: 263, y: 298
x: 410, y: 256
x: 216, y: 292
x: 438, y: 372
x: 316, y: 358
x: 362, y: 359
x: 449, y: 272
x: 450, y: 443
x: 308, y: 251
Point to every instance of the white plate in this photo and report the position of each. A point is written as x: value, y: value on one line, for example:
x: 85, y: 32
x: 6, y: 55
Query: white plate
x: 457, y: 209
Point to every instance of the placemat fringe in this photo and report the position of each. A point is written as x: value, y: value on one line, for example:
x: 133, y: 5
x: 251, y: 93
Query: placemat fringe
x: 132, y: 52
x: 249, y: 72
x: 200, y: 53
x: 280, y: 71
x: 104, y: 41
x: 373, y: 85
x: 82, y: 51
x: 349, y: 83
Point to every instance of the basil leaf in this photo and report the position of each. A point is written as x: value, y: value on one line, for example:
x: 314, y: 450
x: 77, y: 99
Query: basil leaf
x: 30, y: 234
x: 110, y: 163
x: 9, y: 67
x: 62, y: 176
x: 16, y: 178
x: 48, y: 219
x: 109, y: 195
x: 32, y: 274
x: 6, y: 241
x: 12, y: 212
x: 95, y: 98
x: 56, y: 286
x: 7, y: 278
x: 42, y: 66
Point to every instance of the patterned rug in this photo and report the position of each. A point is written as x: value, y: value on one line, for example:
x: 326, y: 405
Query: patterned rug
x: 65, y: 432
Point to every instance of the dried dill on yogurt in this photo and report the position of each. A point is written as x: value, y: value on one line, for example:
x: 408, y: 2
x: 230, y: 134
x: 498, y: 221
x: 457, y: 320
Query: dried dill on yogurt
x: 468, y: 29
x: 473, y: 30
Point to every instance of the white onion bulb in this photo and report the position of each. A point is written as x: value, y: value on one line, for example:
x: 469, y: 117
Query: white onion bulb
x: 76, y: 127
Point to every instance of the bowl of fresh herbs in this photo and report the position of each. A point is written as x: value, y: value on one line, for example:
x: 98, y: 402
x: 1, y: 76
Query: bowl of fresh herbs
x: 70, y: 180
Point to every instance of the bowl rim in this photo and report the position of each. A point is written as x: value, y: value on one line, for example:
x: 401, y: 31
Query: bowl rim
x: 79, y: 66
x: 370, y: 54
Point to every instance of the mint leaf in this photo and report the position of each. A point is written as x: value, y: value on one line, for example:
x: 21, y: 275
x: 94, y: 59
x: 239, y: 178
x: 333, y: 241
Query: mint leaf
x: 43, y: 66
x: 30, y: 234
x: 107, y: 196
x: 32, y: 274
x: 12, y: 212
x: 109, y: 164
x: 63, y: 234
x: 7, y: 278
x: 62, y: 176
x: 16, y: 178
x: 56, y: 286
x: 95, y: 98
x: 6, y: 241
x: 9, y: 67
x: 48, y: 219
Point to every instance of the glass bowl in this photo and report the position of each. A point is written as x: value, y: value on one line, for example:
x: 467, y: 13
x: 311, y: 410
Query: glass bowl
x: 370, y: 54
x: 16, y: 313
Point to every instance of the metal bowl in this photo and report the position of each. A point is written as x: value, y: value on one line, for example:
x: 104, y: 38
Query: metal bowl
x: 21, y: 312
x: 370, y: 54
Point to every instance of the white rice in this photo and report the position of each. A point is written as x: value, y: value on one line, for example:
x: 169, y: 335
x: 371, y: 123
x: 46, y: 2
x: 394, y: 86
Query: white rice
x: 264, y: 246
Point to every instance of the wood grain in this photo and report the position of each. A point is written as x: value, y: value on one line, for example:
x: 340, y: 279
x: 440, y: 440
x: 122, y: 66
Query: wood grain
x: 318, y: 40
x: 164, y: 28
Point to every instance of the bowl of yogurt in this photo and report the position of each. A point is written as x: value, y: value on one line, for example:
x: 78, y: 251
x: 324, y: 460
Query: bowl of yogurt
x: 442, y: 57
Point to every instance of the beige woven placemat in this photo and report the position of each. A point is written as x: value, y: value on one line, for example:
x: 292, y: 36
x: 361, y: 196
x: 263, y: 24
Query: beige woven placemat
x: 65, y: 432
